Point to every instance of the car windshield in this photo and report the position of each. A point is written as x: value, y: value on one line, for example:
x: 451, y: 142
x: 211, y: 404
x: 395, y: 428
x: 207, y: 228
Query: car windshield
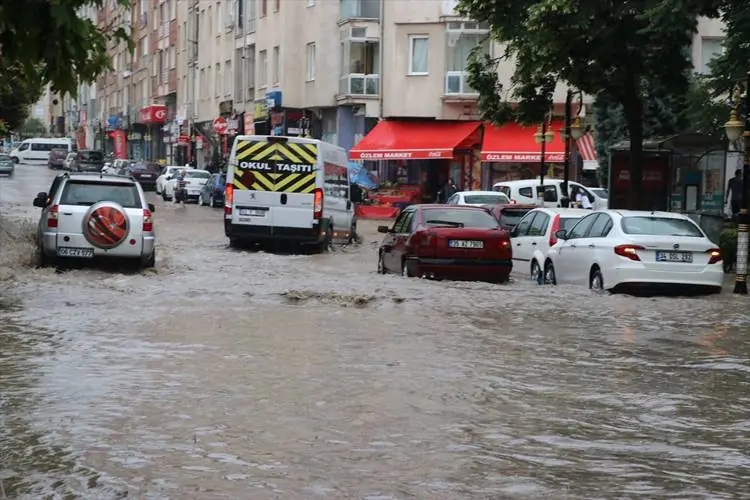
x: 195, y: 174
x: 487, y: 199
x: 600, y: 192
x: 87, y: 193
x: 459, y: 217
x: 510, y: 217
x: 94, y: 156
x: 567, y: 223
x: 660, y: 226
x: 502, y: 189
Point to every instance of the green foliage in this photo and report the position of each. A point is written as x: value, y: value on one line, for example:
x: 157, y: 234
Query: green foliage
x: 619, y: 48
x: 18, y: 91
x: 733, y: 64
x: 49, y: 41
x: 33, y: 127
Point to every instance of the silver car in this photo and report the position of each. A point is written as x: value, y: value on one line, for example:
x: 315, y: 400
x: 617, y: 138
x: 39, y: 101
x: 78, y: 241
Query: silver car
x: 88, y: 215
x: 6, y: 165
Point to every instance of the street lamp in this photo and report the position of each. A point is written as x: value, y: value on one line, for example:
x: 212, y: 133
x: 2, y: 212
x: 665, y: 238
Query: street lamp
x: 542, y: 137
x: 734, y: 129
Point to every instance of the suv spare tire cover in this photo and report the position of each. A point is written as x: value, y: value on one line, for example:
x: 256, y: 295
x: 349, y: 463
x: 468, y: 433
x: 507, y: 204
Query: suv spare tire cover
x: 106, y: 225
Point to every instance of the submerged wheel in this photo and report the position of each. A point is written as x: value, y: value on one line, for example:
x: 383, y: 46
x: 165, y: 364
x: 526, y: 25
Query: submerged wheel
x: 149, y: 260
x: 405, y: 270
x: 596, y: 280
x: 536, y: 272
x: 381, y: 263
x: 549, y: 274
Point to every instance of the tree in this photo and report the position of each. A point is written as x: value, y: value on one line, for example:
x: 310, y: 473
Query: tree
x: 49, y: 41
x: 18, y: 91
x: 614, y: 47
x: 33, y: 127
x: 732, y: 65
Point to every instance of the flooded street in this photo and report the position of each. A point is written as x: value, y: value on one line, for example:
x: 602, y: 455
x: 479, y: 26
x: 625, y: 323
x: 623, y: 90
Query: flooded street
x: 248, y: 375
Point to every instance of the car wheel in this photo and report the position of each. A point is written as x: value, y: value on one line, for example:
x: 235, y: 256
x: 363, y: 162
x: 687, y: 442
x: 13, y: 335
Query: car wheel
x: 381, y: 263
x: 596, y: 280
x: 405, y: 270
x: 536, y: 272
x: 149, y: 261
x: 549, y: 274
x: 327, y: 244
x: 200, y: 201
x: 46, y: 260
x: 164, y: 196
x: 211, y: 201
x: 14, y: 159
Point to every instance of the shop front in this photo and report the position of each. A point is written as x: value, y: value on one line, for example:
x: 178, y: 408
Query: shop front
x: 153, y: 117
x: 417, y: 157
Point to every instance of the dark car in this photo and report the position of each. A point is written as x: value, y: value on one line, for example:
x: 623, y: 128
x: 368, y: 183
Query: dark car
x: 144, y: 173
x: 56, y: 158
x: 212, y: 192
x: 509, y: 215
x: 446, y: 241
x: 87, y: 160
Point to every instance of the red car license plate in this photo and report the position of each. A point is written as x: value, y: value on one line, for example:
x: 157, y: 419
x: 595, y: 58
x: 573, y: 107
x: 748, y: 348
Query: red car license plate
x: 465, y: 244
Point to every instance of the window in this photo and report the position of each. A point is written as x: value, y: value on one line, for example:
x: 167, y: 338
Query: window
x: 460, y: 217
x: 240, y: 14
x: 87, y: 193
x: 401, y: 224
x: 549, y: 193
x: 276, y: 65
x: 539, y: 225
x: 228, y: 76
x: 419, y: 52
x: 262, y: 68
x: 218, y: 87
x: 310, y: 62
x: 251, y: 71
x: 601, y: 226
x: 263, y: 8
x: 359, y: 9
x: 276, y: 5
x: 311, y: 3
x: 660, y: 226
x: 335, y: 181
x: 579, y: 230
x: 710, y: 49
x: 487, y: 199
x: 219, y: 19
x: 184, y: 35
x: 144, y: 46
x: 251, y: 9
x: 162, y: 13
x: 210, y: 21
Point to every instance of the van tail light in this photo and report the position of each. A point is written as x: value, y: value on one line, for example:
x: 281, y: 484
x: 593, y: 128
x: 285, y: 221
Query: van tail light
x: 628, y: 251
x: 555, y: 229
x: 52, y: 216
x: 148, y: 222
x: 714, y: 255
x: 228, y: 199
x: 318, y: 204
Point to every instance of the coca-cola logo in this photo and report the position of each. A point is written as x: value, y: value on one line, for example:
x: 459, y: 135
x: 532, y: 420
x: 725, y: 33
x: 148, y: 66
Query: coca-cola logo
x: 160, y: 114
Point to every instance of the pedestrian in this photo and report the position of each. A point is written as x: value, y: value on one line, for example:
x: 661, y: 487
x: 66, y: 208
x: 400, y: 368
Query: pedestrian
x: 448, y: 190
x: 735, y: 188
x: 582, y: 200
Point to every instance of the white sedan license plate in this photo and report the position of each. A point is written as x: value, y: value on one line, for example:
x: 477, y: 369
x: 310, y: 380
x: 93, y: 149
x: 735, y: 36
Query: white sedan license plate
x: 249, y: 212
x: 465, y: 244
x: 82, y: 253
x: 686, y: 257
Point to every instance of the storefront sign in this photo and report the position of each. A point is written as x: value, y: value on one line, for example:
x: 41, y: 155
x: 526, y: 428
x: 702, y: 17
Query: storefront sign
x: 156, y: 114
x: 120, y: 144
x: 401, y: 155
x: 522, y: 157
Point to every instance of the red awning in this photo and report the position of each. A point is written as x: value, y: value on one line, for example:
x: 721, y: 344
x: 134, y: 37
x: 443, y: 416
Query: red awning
x: 512, y: 143
x: 415, y: 140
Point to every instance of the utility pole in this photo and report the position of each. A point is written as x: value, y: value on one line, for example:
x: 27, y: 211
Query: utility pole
x: 192, y: 62
x: 743, y: 221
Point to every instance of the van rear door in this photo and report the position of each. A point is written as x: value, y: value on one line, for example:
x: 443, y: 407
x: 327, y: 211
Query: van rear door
x: 274, y: 180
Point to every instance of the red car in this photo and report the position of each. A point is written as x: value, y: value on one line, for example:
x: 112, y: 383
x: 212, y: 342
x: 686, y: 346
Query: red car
x: 446, y: 241
x: 509, y: 215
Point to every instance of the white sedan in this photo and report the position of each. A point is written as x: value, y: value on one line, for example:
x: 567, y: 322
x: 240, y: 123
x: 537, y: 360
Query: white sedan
x: 161, y: 181
x: 194, y: 181
x: 478, y: 198
x: 622, y: 249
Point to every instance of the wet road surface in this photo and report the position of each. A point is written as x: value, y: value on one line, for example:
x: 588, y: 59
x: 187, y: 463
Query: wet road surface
x: 229, y: 374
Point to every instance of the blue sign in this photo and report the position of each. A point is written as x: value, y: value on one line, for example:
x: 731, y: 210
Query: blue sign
x: 114, y: 121
x: 273, y: 99
x: 358, y: 174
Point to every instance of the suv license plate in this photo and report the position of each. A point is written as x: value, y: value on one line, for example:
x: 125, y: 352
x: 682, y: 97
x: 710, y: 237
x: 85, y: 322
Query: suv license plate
x: 249, y: 212
x: 83, y: 253
x: 686, y: 257
x: 465, y: 244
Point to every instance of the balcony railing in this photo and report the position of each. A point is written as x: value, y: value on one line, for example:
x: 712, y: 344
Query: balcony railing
x: 456, y: 83
x: 359, y: 84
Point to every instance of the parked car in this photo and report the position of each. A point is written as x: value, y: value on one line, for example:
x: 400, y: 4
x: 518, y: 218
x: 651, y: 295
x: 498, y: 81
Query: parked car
x: 85, y: 160
x: 161, y: 180
x: 57, y: 158
x: 528, y: 192
x: 478, y: 198
x: 141, y: 172
x: 622, y: 250
x: 212, y: 192
x: 194, y: 181
x: 509, y: 215
x: 91, y: 215
x: 6, y: 165
x: 535, y: 235
x: 442, y: 241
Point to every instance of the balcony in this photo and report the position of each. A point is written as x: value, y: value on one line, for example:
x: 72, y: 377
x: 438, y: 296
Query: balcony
x: 359, y: 9
x: 359, y: 84
x: 456, y: 84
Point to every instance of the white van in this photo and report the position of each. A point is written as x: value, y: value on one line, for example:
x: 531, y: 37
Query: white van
x: 36, y: 151
x: 528, y: 192
x: 287, y: 189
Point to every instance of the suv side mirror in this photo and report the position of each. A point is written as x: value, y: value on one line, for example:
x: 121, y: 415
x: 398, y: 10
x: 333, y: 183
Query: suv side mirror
x: 384, y: 229
x: 561, y: 234
x: 151, y: 207
x: 41, y: 200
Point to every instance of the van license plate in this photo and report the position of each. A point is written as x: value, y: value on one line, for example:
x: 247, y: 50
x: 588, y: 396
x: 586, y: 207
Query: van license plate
x: 81, y: 253
x: 674, y: 257
x: 465, y: 244
x: 249, y: 212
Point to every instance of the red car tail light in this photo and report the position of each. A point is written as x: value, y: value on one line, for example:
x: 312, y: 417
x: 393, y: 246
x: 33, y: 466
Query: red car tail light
x: 628, y: 251
x: 318, y: 203
x: 714, y: 255
x: 52, y: 216
x: 148, y: 223
x: 228, y: 199
x: 555, y: 228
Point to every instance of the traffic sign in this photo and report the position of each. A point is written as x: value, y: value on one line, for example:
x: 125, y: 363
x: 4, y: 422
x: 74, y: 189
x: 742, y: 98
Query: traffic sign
x: 220, y: 125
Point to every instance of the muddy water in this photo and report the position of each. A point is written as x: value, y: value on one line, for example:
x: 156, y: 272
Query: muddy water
x: 227, y: 374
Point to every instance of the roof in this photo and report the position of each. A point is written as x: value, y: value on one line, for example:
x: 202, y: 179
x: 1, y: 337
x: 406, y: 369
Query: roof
x: 648, y: 213
x: 94, y: 176
x: 488, y: 193
x: 566, y: 211
x: 443, y: 205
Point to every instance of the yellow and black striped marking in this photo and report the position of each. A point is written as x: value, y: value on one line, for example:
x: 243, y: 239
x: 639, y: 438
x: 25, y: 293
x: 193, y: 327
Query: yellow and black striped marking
x: 285, y: 167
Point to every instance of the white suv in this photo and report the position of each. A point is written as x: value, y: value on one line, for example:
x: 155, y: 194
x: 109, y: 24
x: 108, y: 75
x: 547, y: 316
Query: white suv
x: 95, y: 215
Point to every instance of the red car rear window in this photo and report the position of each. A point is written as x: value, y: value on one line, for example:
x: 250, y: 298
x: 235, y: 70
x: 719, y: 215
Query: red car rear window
x: 462, y: 217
